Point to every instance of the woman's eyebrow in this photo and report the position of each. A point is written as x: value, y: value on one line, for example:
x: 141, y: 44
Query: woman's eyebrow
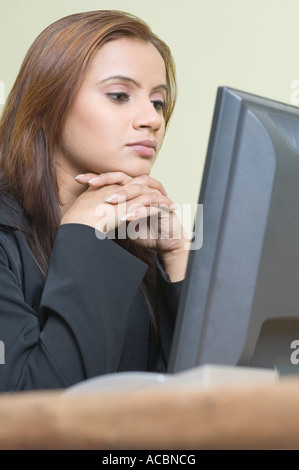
x: 161, y: 87
x: 137, y: 84
x: 121, y: 77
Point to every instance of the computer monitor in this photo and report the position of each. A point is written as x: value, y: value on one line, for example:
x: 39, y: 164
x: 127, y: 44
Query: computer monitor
x: 240, y: 299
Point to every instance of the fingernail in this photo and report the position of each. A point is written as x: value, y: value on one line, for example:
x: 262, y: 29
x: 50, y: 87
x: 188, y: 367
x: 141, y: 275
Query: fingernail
x: 77, y: 177
x: 128, y: 216
x: 174, y: 206
x: 115, y: 198
x: 92, y: 180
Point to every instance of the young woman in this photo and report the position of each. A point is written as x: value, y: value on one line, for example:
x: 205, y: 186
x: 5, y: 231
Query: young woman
x: 92, y: 255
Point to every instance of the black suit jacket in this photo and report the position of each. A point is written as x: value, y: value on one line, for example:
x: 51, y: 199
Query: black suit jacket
x: 86, y: 319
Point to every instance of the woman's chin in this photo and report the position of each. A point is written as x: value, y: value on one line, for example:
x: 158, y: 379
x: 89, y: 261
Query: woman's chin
x: 143, y: 168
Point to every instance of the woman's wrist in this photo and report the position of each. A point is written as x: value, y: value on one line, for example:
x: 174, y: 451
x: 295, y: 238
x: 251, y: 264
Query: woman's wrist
x: 175, y: 260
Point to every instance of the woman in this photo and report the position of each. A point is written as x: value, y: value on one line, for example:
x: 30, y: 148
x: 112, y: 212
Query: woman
x: 92, y: 255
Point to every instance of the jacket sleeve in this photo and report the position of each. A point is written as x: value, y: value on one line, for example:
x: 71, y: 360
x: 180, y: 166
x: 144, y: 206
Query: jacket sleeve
x: 78, y: 332
x: 169, y: 294
x: 167, y: 301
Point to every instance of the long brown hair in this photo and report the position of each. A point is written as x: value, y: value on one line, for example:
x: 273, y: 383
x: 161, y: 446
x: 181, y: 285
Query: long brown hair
x: 35, y: 111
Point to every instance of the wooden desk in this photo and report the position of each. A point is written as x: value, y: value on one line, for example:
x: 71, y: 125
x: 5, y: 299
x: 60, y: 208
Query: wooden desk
x: 251, y: 417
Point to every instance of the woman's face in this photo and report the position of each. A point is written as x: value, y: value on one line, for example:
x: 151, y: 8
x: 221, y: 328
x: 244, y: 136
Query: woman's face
x: 116, y: 121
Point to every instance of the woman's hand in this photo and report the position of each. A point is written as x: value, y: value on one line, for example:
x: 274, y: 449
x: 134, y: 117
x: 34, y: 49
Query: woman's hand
x: 141, y: 210
x: 114, y: 198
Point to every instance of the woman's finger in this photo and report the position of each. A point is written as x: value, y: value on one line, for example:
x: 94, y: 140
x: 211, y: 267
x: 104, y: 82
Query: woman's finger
x: 142, y: 199
x: 143, y: 194
x: 85, y: 177
x: 117, y: 177
x: 147, y: 180
x: 103, y: 179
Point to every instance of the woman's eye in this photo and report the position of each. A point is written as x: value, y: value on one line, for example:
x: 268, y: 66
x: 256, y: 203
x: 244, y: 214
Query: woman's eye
x: 119, y: 97
x: 159, y: 105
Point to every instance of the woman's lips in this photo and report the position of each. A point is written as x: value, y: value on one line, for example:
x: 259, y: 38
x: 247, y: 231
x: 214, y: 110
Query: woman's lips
x: 145, y: 148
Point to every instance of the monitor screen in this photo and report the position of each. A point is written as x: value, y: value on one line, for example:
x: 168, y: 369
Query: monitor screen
x: 240, y: 299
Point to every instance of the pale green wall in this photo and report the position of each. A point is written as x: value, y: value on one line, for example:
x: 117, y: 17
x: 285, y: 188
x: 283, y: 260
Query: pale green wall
x: 251, y: 45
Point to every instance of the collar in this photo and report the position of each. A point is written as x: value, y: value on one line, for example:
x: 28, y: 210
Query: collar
x: 11, y: 214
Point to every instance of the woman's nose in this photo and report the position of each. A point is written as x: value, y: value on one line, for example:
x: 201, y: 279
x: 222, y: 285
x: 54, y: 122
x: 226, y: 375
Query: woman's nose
x: 147, y: 116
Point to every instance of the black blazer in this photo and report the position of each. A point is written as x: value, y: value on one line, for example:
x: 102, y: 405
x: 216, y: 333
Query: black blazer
x: 86, y: 319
